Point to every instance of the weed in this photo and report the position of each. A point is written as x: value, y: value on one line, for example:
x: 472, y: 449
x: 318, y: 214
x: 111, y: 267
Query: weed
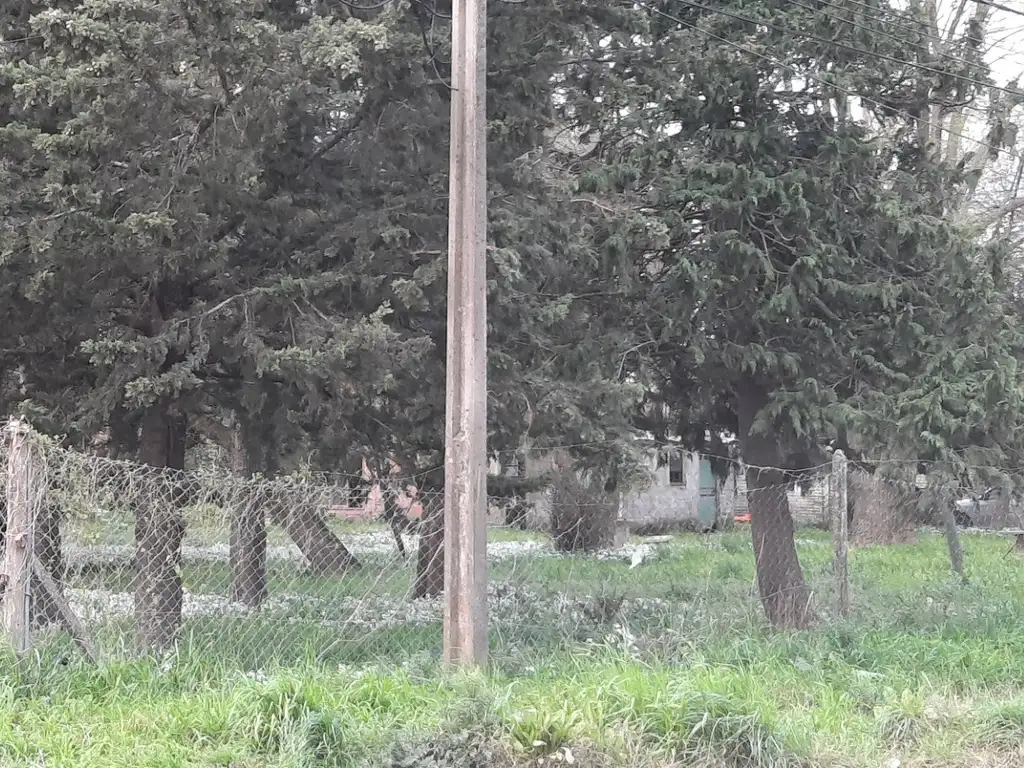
x: 543, y: 731
x: 902, y: 721
x: 1001, y: 724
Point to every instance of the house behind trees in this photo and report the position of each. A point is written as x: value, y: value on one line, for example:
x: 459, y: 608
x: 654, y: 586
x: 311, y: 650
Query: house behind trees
x: 684, y: 492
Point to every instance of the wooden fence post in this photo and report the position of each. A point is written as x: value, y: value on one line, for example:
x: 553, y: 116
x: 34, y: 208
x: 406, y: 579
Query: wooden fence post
x: 18, y: 555
x: 840, y: 533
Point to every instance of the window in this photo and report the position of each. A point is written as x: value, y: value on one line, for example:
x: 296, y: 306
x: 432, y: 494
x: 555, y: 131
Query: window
x: 676, y: 475
x: 512, y: 466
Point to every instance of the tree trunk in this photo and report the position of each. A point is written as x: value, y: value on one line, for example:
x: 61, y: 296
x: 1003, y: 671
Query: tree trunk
x: 583, y: 515
x: 324, y: 551
x: 956, y: 550
x: 159, y: 531
x: 945, y: 499
x: 48, y: 549
x: 396, y: 516
x: 248, y: 554
x: 123, y: 432
x: 307, y: 528
x: 780, y: 579
x: 1001, y: 514
x: 430, y: 558
x: 248, y: 543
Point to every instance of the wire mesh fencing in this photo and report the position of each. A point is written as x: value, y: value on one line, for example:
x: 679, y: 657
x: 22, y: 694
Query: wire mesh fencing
x: 255, y: 571
x: 252, y: 572
x: 660, y: 567
x: 843, y: 544
x: 246, y: 570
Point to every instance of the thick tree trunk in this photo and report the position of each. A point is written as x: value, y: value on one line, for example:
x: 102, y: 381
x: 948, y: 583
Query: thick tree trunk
x: 307, y: 528
x: 945, y: 500
x: 956, y: 550
x: 248, y: 543
x: 780, y: 579
x: 248, y: 554
x: 123, y: 431
x: 159, y: 531
x: 430, y: 557
x: 583, y: 517
x: 48, y: 549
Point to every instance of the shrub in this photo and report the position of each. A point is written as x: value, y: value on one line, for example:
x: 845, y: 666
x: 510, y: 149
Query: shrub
x: 583, y: 513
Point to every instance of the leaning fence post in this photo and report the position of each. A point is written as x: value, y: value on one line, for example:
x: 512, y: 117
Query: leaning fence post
x: 19, y: 539
x: 840, y: 533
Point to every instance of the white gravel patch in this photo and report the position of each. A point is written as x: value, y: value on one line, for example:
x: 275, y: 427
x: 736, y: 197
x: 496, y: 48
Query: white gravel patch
x: 373, y: 544
x: 508, y: 605
x: 511, y: 605
x: 802, y: 542
x: 97, y: 606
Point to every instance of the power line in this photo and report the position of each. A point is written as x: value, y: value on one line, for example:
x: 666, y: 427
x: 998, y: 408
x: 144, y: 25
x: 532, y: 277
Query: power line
x: 1000, y: 7
x: 890, y: 22
x: 892, y: 18
x: 375, y: 6
x: 844, y: 46
x: 777, y: 63
x: 890, y: 35
x: 17, y: 40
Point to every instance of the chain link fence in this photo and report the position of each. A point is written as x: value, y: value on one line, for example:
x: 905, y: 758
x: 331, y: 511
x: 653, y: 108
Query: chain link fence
x: 252, y: 572
x: 247, y: 570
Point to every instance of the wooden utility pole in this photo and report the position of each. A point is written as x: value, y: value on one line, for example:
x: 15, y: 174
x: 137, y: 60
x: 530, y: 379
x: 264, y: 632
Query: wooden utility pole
x: 19, y: 539
x: 465, y: 501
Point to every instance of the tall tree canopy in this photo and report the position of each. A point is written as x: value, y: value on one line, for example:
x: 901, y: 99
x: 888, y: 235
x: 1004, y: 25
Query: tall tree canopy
x: 808, y: 281
x: 241, y: 207
x: 737, y: 211
x: 234, y: 199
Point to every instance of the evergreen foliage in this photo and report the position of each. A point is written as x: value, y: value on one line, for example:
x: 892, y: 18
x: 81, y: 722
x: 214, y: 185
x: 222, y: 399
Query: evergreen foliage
x: 703, y: 220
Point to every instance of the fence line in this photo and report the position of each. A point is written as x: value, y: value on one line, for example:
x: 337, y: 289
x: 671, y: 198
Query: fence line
x: 840, y: 533
x: 20, y: 529
x: 121, y: 557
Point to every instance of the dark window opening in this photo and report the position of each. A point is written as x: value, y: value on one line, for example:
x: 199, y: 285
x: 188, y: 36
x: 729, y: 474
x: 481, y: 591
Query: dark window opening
x: 676, y: 476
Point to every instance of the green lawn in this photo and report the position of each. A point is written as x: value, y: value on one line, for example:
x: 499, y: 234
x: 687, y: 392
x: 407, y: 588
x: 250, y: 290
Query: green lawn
x: 665, y: 664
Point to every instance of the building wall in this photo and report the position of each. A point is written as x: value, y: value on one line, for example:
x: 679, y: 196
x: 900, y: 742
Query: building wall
x: 809, y: 508
x: 663, y: 502
x: 658, y: 504
x: 373, y: 507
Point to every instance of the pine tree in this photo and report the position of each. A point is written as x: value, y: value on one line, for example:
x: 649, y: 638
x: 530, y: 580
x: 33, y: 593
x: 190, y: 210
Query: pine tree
x: 808, y: 282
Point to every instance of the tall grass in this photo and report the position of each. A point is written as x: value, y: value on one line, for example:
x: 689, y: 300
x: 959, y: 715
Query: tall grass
x: 925, y: 671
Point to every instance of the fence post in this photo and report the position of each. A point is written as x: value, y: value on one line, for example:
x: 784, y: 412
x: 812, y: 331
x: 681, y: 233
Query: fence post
x: 19, y: 539
x: 840, y: 533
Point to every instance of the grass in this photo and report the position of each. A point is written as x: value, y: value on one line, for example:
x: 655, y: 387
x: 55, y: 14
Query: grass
x: 592, y: 662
